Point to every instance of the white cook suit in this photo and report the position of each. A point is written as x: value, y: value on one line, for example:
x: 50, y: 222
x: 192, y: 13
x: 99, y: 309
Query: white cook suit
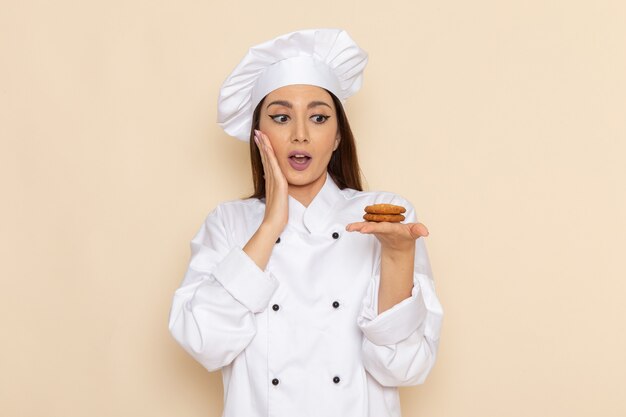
x: 304, y: 338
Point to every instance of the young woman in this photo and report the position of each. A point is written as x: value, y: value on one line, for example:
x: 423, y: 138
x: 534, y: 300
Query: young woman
x: 306, y: 309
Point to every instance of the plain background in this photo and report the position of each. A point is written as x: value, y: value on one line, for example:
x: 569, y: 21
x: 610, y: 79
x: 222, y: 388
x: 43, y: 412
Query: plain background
x: 502, y: 121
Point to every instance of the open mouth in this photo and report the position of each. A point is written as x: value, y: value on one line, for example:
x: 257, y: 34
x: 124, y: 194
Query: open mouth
x: 299, y: 160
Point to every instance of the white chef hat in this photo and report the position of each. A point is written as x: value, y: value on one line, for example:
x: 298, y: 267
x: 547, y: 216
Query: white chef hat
x: 326, y: 58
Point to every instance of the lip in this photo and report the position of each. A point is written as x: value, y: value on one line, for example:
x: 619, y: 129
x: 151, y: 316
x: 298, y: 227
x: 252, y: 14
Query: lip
x: 299, y: 166
x: 294, y: 153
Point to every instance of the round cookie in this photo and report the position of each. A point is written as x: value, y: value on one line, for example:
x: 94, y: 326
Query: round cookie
x: 384, y: 209
x: 392, y: 218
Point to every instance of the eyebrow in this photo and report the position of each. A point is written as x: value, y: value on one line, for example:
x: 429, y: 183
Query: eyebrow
x: 290, y: 106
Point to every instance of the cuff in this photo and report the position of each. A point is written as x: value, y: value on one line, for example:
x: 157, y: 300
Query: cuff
x: 396, y: 324
x: 245, y: 281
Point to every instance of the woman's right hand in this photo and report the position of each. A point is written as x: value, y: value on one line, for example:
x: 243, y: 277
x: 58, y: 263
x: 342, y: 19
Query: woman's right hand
x: 259, y: 247
x: 276, y: 186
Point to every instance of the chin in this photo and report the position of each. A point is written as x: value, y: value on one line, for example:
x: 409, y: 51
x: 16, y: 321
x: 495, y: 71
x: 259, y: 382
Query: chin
x: 303, y: 179
x: 299, y: 182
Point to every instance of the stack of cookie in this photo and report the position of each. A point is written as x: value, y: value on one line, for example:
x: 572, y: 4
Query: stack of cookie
x: 384, y: 213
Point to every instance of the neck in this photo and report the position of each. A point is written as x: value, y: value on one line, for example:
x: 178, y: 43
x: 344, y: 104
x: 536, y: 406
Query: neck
x: 306, y: 193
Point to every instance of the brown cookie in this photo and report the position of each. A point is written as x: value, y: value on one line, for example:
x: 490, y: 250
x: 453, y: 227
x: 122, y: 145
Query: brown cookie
x: 392, y: 218
x: 384, y: 209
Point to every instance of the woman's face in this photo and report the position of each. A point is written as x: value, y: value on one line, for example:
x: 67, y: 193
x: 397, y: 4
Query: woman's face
x: 301, y: 123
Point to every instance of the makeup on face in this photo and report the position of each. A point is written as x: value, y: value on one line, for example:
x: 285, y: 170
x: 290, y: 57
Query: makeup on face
x: 299, y: 160
x: 301, y: 124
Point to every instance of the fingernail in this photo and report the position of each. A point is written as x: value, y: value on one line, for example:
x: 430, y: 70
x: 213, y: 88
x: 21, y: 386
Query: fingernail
x: 257, y: 133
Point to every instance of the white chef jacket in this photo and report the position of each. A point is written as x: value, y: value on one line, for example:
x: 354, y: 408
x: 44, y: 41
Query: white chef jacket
x: 304, y: 337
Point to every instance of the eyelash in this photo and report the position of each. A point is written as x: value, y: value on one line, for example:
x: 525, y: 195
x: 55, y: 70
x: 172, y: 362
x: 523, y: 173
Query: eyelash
x: 275, y: 116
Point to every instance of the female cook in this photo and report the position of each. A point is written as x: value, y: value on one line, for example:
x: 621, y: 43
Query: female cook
x: 306, y: 309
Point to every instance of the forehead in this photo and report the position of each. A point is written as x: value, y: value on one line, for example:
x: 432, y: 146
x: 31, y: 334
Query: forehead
x: 300, y: 93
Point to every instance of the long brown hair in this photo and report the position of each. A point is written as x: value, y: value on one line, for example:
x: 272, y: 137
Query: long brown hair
x: 343, y: 166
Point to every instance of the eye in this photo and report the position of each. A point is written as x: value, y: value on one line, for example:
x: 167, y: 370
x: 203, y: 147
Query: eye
x: 319, y: 118
x: 280, y: 118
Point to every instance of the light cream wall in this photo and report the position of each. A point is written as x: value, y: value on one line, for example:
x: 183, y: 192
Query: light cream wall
x: 503, y: 122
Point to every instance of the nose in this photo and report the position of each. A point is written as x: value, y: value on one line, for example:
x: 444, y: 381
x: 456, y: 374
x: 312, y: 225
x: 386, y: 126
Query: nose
x: 300, y: 133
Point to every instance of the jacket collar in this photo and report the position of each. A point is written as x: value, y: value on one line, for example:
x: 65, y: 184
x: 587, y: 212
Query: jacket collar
x: 313, y: 218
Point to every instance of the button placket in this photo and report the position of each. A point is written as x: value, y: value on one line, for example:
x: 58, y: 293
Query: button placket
x: 335, y: 306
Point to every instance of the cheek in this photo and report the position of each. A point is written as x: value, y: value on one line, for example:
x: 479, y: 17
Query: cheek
x: 278, y: 143
x: 272, y: 133
x: 329, y: 141
x: 269, y: 127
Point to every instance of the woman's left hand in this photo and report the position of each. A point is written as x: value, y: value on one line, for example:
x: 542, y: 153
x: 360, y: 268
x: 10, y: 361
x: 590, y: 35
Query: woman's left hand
x: 392, y: 236
x: 397, y: 242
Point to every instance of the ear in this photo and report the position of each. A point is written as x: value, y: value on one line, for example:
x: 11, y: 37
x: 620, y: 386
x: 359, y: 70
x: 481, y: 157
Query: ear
x: 337, y: 140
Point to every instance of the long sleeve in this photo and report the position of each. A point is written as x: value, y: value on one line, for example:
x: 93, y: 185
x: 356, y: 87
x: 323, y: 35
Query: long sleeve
x: 213, y: 312
x: 400, y: 345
